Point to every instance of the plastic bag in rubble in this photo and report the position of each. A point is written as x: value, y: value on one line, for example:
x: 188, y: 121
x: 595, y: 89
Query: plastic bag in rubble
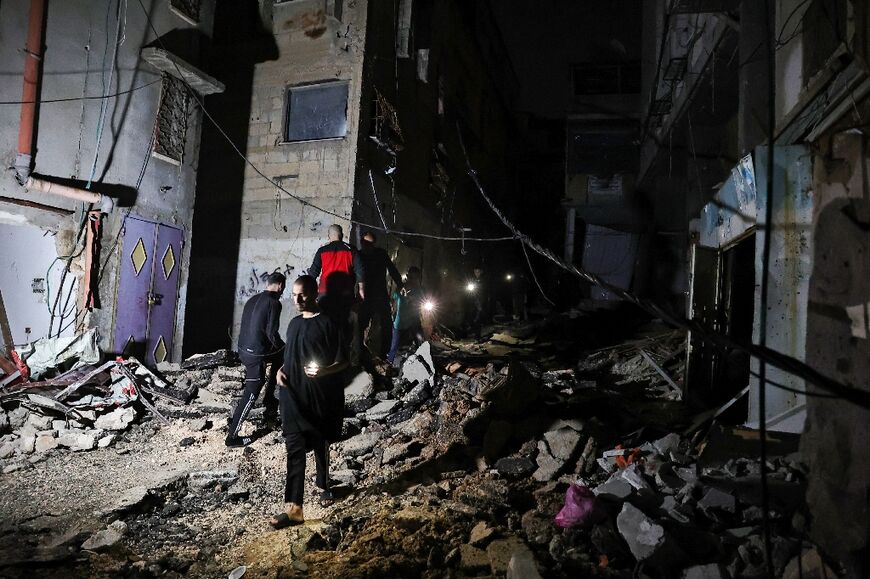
x: 582, y: 508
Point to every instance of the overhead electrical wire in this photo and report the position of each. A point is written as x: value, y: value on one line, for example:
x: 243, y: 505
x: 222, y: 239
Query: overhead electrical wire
x: 83, y: 98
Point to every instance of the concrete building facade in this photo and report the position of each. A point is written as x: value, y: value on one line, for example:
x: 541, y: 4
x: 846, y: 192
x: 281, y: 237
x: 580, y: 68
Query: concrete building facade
x: 704, y: 164
x: 107, y: 123
x: 383, y: 153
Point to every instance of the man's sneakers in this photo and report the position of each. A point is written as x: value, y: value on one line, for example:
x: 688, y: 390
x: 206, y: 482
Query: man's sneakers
x: 237, y: 441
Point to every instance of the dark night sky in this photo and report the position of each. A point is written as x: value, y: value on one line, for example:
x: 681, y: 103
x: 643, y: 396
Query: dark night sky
x: 544, y: 37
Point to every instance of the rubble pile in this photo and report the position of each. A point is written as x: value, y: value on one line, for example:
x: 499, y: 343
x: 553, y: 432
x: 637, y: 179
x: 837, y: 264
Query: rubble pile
x: 81, y: 409
x: 490, y: 459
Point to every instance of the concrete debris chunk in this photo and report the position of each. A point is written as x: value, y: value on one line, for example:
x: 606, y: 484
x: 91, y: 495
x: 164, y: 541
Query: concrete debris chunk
x: 38, y: 421
x: 633, y: 476
x: 75, y: 439
x: 512, y: 467
x: 481, y: 533
x: 17, y: 417
x: 563, y: 442
x: 419, y: 367
x: 716, y: 499
x: 548, y: 465
x: 210, y: 360
x: 200, y: 424
x: 522, y: 565
x: 616, y: 488
x: 472, y: 559
x: 361, y: 443
x: 417, y: 395
x: 381, y: 410
x: 500, y: 553
x: 117, y: 419
x: 397, y: 452
x: 668, y: 444
x: 205, y: 479
x: 107, y: 538
x: 360, y: 387
x: 644, y: 537
x: 27, y: 443
x: 7, y: 449
x: 44, y: 443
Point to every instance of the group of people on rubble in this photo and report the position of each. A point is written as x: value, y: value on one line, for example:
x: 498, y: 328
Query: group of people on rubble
x: 343, y: 293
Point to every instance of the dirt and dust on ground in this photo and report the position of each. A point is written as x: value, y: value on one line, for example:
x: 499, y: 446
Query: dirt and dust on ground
x: 554, y: 448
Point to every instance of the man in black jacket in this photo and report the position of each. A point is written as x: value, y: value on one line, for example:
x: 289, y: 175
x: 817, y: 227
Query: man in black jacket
x: 260, y: 343
x: 376, y: 304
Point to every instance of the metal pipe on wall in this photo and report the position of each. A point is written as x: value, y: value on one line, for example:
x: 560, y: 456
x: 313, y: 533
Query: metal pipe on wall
x: 106, y: 203
x: 29, y: 91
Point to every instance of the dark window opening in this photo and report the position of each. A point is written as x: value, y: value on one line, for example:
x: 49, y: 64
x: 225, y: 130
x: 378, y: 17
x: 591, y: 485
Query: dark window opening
x: 598, y: 79
x: 316, y: 111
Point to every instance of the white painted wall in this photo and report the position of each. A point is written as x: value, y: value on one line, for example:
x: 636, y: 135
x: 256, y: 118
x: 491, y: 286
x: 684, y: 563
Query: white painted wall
x: 26, y: 253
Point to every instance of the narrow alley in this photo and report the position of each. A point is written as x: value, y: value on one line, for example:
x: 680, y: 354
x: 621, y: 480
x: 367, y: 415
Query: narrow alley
x: 435, y: 288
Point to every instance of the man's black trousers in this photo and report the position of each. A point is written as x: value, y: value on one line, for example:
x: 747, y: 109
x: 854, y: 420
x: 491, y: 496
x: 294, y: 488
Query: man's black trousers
x: 255, y: 377
x: 297, y: 443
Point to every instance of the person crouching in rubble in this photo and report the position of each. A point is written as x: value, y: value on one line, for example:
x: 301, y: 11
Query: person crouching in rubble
x: 311, y: 395
x: 406, y: 325
x: 260, y: 343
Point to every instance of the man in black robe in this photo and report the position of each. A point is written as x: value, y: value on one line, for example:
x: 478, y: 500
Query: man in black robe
x: 312, y: 396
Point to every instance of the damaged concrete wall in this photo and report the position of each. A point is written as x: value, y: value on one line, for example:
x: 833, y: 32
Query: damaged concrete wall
x: 837, y: 432
x: 788, y: 271
x: 27, y: 254
x: 77, y: 62
x: 277, y: 232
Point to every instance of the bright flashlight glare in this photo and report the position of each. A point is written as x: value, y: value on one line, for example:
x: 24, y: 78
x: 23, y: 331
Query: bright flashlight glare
x: 509, y: 276
x: 428, y: 305
x: 471, y: 287
x: 312, y: 366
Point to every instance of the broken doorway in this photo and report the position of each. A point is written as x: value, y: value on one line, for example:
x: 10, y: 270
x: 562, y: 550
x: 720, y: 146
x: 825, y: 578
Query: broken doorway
x: 723, y: 299
x: 147, y: 291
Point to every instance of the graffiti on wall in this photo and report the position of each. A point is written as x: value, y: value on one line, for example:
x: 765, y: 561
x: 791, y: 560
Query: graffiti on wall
x: 257, y: 277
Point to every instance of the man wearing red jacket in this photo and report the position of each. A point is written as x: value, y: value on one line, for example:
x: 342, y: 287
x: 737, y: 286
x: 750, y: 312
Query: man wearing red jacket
x: 337, y: 256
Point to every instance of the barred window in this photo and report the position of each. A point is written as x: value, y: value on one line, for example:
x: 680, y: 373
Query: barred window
x: 186, y: 9
x: 171, y: 129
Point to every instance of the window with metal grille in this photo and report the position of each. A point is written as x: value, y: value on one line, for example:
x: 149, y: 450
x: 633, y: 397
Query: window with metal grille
x: 316, y: 111
x: 171, y: 127
x: 596, y: 79
x: 186, y: 9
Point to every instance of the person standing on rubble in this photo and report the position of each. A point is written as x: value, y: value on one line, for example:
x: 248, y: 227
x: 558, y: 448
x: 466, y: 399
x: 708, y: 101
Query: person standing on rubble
x: 337, y: 256
x: 375, y: 308
x: 407, y: 325
x: 338, y: 259
x: 260, y: 344
x: 477, y: 303
x: 311, y: 396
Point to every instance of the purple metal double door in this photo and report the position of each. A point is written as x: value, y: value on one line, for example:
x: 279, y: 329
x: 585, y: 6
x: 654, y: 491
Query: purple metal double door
x: 147, y: 290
